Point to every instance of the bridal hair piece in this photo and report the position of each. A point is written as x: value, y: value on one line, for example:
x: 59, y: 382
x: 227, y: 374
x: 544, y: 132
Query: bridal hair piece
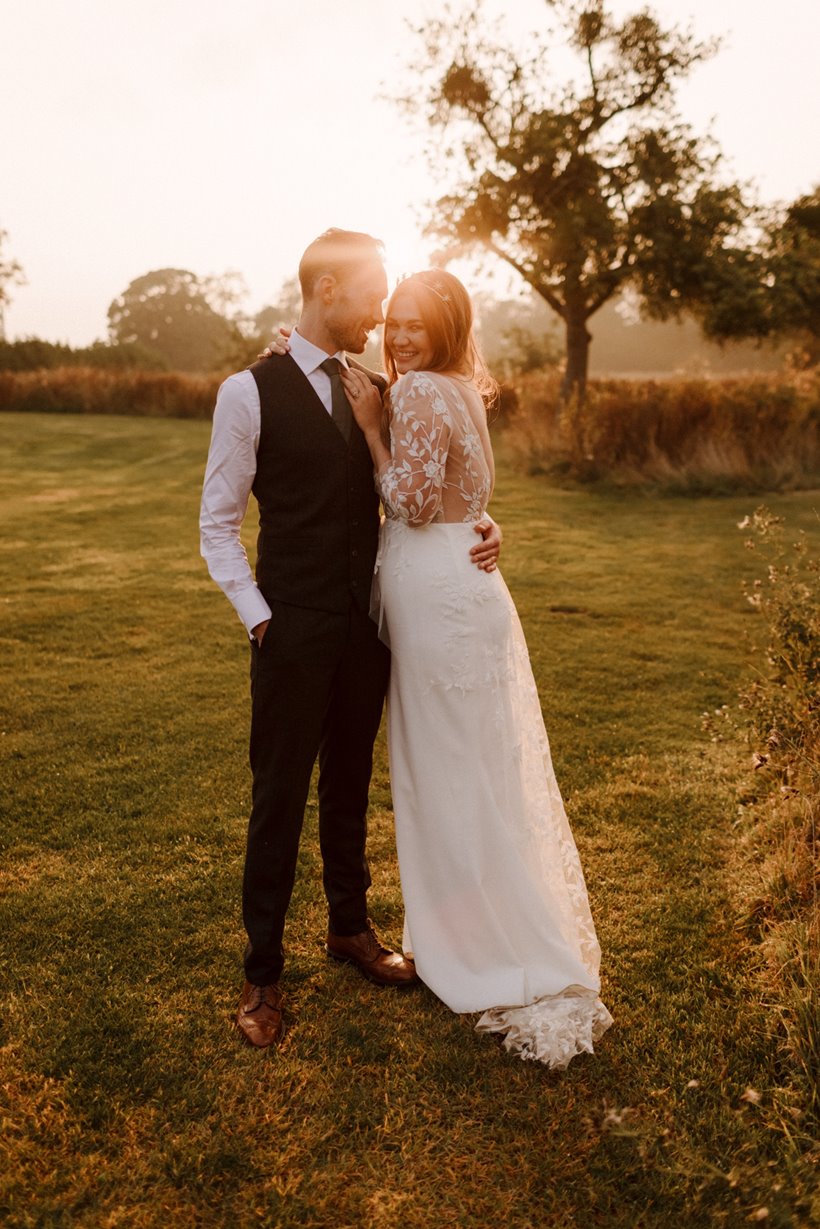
x: 434, y: 279
x: 440, y: 290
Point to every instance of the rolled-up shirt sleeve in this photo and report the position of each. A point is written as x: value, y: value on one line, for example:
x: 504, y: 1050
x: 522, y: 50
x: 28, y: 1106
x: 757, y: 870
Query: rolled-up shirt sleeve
x: 229, y: 477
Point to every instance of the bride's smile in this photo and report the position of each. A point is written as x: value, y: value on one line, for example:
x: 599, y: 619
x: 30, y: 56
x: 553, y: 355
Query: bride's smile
x: 405, y: 336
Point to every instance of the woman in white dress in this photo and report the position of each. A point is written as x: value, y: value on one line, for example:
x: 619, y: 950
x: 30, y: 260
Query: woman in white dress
x: 496, y: 910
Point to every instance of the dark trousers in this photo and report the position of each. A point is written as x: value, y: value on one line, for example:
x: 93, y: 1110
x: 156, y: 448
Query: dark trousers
x: 318, y: 683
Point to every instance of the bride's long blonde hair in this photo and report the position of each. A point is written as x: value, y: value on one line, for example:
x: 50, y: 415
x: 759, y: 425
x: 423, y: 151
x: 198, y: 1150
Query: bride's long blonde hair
x: 447, y: 315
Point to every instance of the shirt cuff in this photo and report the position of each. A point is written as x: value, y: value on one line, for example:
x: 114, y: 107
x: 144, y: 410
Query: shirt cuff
x: 251, y: 608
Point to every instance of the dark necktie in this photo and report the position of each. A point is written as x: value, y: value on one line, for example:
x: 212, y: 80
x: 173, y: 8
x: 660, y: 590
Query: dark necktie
x: 340, y: 410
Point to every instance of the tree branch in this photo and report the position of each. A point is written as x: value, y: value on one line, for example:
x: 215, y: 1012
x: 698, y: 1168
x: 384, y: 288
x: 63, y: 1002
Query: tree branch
x: 545, y: 292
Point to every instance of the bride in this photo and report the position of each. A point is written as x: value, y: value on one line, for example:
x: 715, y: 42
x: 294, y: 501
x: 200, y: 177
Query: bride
x: 496, y: 910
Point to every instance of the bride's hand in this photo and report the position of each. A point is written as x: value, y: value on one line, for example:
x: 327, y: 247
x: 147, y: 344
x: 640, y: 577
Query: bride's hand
x: 278, y: 344
x: 365, y: 400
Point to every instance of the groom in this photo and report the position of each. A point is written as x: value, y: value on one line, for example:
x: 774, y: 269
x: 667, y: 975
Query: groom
x: 283, y: 430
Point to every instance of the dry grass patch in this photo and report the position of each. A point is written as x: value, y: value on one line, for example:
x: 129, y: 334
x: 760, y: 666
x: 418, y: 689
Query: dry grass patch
x: 94, y: 390
x: 754, y: 433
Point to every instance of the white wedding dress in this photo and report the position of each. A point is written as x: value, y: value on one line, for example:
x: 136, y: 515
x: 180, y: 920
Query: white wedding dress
x: 496, y: 909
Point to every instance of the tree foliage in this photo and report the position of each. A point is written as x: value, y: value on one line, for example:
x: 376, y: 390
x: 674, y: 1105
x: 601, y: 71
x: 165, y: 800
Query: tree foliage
x: 774, y: 291
x: 176, y: 315
x: 284, y: 310
x: 11, y: 273
x: 35, y: 354
x: 588, y: 186
x: 516, y: 335
x: 793, y: 262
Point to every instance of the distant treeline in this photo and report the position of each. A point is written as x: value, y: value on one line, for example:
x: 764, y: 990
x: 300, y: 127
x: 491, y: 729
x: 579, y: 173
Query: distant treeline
x: 32, y: 354
x: 524, y: 335
x: 516, y: 336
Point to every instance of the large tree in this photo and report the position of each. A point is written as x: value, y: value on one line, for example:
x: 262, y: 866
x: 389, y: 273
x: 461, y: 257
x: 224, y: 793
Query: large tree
x: 174, y: 314
x: 589, y: 186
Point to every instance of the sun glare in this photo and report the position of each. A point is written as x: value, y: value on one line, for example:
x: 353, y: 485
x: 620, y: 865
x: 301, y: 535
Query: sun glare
x: 405, y: 253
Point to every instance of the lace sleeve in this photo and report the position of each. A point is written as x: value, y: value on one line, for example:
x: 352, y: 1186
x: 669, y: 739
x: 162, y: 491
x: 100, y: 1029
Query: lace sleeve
x: 411, y: 482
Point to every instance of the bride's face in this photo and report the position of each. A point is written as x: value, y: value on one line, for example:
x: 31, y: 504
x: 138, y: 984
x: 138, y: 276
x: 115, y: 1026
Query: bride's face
x: 405, y: 336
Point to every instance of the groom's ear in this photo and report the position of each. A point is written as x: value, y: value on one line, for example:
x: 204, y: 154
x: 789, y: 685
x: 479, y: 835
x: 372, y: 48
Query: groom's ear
x: 326, y: 288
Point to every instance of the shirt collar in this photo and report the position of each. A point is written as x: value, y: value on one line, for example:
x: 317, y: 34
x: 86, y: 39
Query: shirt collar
x: 307, y: 356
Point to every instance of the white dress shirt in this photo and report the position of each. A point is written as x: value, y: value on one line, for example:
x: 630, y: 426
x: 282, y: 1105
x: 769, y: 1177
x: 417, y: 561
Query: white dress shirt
x: 230, y: 474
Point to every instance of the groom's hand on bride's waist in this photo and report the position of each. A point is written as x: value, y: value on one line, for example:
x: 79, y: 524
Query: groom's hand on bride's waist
x: 485, y: 553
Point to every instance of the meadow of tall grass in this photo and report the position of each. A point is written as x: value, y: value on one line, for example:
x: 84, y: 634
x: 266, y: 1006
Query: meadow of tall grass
x: 94, y: 390
x: 754, y: 433
x: 750, y: 433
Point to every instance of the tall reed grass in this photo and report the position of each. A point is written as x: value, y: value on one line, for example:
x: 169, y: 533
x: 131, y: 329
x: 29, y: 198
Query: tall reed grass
x: 755, y: 433
x: 759, y: 432
x: 89, y: 390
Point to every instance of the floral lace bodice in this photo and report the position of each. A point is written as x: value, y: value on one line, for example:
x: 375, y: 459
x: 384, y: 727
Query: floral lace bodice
x: 441, y: 467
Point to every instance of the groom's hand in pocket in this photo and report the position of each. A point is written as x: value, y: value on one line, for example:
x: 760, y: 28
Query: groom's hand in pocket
x: 258, y: 632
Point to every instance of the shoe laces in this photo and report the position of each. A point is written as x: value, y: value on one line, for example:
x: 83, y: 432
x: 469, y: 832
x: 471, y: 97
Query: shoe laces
x: 260, y: 997
x: 375, y: 948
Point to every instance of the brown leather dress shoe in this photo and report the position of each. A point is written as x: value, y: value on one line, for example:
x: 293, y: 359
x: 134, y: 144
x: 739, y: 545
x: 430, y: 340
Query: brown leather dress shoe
x: 259, y: 1017
x: 377, y: 963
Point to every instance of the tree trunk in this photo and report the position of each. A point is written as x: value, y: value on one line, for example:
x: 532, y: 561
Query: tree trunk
x: 575, y: 373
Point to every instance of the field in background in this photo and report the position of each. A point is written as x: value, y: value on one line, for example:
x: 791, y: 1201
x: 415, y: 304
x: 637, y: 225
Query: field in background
x: 127, y: 1099
x: 755, y: 433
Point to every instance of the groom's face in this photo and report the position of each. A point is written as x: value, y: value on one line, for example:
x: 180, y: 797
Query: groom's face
x: 356, y: 307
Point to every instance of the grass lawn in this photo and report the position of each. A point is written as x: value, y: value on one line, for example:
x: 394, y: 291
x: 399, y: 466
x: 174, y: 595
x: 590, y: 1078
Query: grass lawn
x: 127, y: 1099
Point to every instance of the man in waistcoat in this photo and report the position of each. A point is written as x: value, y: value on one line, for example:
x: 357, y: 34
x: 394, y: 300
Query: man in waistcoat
x: 283, y: 430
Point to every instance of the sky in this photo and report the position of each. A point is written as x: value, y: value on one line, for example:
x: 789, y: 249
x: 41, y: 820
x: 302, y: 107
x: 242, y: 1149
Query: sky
x: 216, y: 136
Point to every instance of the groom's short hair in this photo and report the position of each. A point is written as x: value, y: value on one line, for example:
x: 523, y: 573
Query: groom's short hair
x: 339, y: 253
